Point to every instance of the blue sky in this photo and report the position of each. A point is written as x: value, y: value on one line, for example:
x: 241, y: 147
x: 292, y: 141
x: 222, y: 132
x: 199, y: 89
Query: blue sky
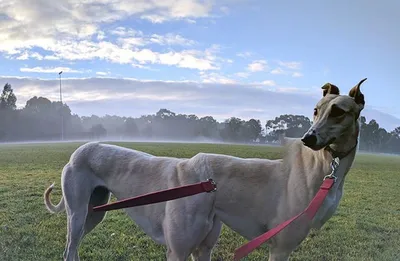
x: 202, y: 57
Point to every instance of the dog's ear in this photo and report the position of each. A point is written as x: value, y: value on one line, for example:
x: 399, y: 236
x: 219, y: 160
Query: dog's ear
x: 330, y: 88
x: 357, y: 95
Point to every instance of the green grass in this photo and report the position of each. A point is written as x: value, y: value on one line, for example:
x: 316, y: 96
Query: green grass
x: 365, y: 227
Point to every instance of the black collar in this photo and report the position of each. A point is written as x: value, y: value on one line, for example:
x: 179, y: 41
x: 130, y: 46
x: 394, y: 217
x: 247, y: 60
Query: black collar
x: 338, y: 154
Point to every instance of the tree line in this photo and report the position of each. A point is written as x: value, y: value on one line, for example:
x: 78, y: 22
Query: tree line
x: 40, y: 119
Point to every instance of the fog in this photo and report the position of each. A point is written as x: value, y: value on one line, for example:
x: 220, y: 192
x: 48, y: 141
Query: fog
x: 42, y: 120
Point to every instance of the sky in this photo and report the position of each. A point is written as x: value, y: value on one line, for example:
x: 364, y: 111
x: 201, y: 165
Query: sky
x: 247, y: 59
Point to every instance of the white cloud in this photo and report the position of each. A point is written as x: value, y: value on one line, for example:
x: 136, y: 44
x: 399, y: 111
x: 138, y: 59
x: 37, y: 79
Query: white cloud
x: 290, y: 65
x: 37, y: 56
x: 268, y: 83
x: 214, y: 96
x: 171, y: 39
x: 26, y: 55
x: 216, y: 78
x: 115, y: 53
x: 245, y: 54
x: 297, y: 74
x: 70, y: 30
x: 100, y: 35
x: 257, y: 66
x: 242, y: 74
x: 51, y: 57
x: 278, y: 71
x: 49, y: 70
x: 102, y: 73
x: 123, y: 31
x: 23, y: 56
x: 224, y: 9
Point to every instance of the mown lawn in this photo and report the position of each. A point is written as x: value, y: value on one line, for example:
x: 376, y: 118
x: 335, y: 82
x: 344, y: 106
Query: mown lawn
x: 365, y: 227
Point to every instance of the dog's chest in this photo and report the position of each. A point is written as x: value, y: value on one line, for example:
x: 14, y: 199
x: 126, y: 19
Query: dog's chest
x: 328, y: 208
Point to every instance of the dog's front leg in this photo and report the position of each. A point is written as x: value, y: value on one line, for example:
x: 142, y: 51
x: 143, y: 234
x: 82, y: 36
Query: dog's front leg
x: 277, y: 255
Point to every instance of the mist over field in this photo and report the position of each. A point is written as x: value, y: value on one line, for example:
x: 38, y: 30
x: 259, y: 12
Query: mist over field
x: 42, y: 120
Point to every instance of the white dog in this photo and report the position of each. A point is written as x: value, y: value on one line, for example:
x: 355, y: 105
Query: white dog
x: 253, y: 195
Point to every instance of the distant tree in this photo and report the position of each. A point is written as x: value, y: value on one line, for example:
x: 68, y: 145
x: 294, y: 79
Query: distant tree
x: 148, y: 130
x: 40, y: 119
x: 292, y: 125
x: 8, y: 100
x: 165, y: 114
x: 370, y: 137
x: 98, y: 131
x: 232, y: 129
x: 252, y: 130
x: 130, y: 128
x: 207, y: 127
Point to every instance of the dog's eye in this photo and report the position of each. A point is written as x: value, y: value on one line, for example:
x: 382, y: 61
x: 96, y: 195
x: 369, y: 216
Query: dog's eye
x: 315, y: 112
x: 337, y: 112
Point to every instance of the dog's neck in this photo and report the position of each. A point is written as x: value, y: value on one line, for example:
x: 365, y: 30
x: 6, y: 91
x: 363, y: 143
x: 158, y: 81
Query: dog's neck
x: 340, y: 154
x: 346, y: 155
x: 315, y: 165
x: 341, y: 151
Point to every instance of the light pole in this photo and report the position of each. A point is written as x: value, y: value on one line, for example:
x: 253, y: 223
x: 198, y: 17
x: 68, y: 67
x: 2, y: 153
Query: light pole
x: 62, y: 116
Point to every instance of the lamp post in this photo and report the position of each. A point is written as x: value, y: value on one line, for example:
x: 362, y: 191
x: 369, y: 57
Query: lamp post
x: 62, y: 116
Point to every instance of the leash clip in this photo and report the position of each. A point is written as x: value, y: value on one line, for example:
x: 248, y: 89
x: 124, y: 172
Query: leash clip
x: 214, y: 184
x: 334, y: 167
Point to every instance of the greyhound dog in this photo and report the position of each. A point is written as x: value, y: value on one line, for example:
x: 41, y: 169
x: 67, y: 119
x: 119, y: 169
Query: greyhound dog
x: 253, y: 195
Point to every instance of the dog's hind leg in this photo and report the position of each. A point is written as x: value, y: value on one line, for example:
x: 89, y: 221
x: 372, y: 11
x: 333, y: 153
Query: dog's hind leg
x: 78, y: 229
x: 76, y: 226
x: 203, y: 252
x: 77, y: 190
x: 100, y: 196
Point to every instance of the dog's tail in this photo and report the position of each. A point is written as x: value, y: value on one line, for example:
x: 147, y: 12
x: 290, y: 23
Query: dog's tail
x: 52, y: 208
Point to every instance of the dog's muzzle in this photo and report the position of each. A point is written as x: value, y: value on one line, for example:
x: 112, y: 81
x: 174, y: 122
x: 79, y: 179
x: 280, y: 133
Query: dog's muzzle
x: 310, y: 139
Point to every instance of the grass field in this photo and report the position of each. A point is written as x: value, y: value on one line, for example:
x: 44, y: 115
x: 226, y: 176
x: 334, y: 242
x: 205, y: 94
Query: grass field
x: 365, y: 227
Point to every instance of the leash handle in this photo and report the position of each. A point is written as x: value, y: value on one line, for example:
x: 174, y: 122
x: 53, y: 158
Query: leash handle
x: 160, y: 196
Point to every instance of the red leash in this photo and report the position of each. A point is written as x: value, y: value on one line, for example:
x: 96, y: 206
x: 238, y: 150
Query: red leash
x: 310, y: 211
x: 161, y: 196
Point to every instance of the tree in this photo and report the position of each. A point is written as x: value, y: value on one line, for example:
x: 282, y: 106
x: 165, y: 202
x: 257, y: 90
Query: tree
x: 98, y: 131
x: 292, y: 125
x: 232, y: 128
x: 207, y: 127
x: 165, y: 114
x: 8, y: 100
x: 130, y: 127
x: 252, y: 130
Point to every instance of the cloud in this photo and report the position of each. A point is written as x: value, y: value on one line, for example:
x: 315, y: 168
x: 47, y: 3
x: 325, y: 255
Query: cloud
x: 257, y: 66
x: 49, y: 70
x: 224, y: 9
x: 245, y: 54
x: 102, y: 73
x: 216, y: 78
x: 290, y: 65
x: 133, y: 98
x: 116, y: 53
x: 171, y: 39
x: 278, y: 71
x: 87, y: 96
x: 297, y: 74
x: 242, y: 74
x: 68, y: 30
x: 268, y: 83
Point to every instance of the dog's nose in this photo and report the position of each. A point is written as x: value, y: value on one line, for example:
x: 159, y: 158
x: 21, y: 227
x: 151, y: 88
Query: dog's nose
x: 310, y: 139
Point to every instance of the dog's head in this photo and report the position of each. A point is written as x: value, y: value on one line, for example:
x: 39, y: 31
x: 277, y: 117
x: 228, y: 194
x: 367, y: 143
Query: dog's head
x: 335, y: 117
